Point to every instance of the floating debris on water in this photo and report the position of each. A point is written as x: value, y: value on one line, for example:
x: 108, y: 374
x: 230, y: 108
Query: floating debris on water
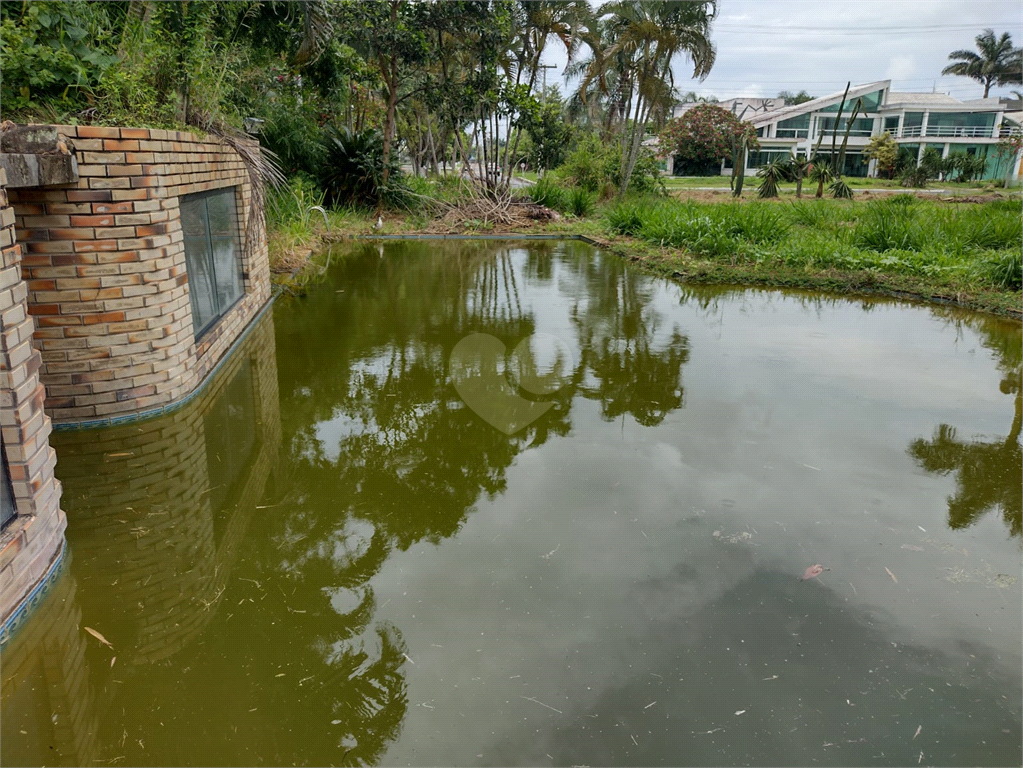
x: 813, y: 572
x: 733, y: 538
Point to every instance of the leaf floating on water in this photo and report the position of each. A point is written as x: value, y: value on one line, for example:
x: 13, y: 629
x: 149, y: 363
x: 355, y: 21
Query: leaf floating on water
x: 918, y: 729
x: 892, y: 575
x: 741, y: 712
x: 925, y: 531
x: 812, y: 572
x: 112, y: 660
x: 98, y: 636
x: 335, y: 722
x: 913, y: 547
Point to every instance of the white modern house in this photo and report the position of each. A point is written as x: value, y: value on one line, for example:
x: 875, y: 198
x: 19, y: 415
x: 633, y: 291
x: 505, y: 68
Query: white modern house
x: 915, y: 120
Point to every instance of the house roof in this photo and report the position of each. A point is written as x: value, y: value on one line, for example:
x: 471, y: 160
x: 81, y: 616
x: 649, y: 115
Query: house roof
x: 919, y: 98
x: 824, y: 101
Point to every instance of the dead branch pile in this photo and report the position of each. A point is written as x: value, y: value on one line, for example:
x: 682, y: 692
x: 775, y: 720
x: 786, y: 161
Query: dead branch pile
x: 478, y: 207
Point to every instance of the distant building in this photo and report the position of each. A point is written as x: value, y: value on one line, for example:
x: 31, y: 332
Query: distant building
x: 915, y: 120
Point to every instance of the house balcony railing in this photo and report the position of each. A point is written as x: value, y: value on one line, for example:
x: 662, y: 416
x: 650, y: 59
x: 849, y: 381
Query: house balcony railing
x: 954, y: 132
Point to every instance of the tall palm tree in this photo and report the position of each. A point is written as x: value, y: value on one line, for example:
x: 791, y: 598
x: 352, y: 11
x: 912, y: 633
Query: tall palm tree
x: 997, y: 62
x: 642, y: 39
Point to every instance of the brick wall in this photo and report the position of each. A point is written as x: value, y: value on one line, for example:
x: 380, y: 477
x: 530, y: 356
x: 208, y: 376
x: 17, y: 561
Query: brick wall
x: 105, y: 267
x: 33, y: 539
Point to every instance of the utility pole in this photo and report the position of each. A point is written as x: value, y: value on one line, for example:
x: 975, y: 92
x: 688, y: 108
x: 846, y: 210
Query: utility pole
x: 545, y: 67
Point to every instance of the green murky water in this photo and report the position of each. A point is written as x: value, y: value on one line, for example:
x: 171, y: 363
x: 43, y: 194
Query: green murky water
x: 328, y: 558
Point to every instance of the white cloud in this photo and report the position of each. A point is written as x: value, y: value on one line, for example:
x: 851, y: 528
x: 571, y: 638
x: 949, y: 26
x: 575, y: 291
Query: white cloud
x: 901, y: 68
x: 793, y: 45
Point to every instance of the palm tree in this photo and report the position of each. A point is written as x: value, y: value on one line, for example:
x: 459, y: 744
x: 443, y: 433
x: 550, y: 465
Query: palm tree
x: 641, y: 40
x: 998, y: 63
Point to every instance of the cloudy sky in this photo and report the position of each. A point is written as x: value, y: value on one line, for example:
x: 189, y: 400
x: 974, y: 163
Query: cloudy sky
x: 765, y: 46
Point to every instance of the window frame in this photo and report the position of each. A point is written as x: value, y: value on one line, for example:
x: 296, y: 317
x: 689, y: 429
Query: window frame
x: 211, y: 263
x: 7, y: 496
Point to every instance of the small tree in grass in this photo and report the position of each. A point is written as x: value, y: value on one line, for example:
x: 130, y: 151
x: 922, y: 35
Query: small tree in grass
x: 885, y: 150
x: 797, y: 168
x: 770, y: 174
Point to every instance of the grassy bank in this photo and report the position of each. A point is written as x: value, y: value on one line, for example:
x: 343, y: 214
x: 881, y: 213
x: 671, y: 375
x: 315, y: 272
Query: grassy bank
x: 964, y: 253
x: 724, y: 182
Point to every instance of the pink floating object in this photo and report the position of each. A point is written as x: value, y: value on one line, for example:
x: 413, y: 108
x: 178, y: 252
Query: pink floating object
x: 813, y: 571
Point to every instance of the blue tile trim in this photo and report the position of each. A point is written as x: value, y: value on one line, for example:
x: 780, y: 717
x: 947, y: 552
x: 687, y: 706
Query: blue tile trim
x: 129, y: 418
x: 33, y: 598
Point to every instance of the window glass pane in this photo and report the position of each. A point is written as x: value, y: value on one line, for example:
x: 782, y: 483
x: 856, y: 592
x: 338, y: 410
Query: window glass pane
x: 913, y: 119
x: 211, y: 254
x: 222, y: 214
x: 891, y: 124
x: 229, y: 279
x: 862, y: 126
x: 869, y: 102
x: 193, y: 216
x: 200, y: 282
x: 962, y: 119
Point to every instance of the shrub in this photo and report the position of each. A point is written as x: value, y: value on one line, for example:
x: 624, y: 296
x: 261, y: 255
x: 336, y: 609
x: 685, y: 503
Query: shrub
x: 916, y: 176
x: 580, y: 202
x: 840, y: 190
x: 769, y: 175
x: 547, y: 192
x: 596, y: 167
x: 353, y: 169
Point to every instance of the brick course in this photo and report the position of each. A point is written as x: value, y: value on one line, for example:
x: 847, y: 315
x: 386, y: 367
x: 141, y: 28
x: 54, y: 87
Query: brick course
x: 33, y: 539
x: 109, y: 251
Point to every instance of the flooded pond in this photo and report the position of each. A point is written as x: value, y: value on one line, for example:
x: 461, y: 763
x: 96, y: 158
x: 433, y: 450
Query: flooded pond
x: 485, y: 503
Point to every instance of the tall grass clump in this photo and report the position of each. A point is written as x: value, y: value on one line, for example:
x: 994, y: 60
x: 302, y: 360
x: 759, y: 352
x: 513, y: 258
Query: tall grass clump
x: 885, y: 226
x: 980, y: 228
x: 819, y: 215
x: 547, y: 192
x: 292, y: 205
x: 627, y: 217
x: 1004, y: 270
x: 579, y: 201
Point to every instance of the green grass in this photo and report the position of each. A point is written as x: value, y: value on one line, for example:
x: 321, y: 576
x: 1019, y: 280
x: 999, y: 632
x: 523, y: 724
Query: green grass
x: 723, y: 182
x: 972, y: 245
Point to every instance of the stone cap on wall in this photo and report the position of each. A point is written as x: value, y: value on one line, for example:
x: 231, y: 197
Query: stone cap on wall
x: 37, y: 156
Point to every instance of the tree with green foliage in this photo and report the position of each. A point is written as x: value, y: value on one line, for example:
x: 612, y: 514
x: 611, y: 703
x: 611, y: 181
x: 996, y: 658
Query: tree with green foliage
x: 797, y: 167
x: 885, y: 151
x: 995, y: 62
x: 390, y: 35
x: 641, y: 40
x: 791, y: 99
x: 549, y: 132
x: 704, y: 135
